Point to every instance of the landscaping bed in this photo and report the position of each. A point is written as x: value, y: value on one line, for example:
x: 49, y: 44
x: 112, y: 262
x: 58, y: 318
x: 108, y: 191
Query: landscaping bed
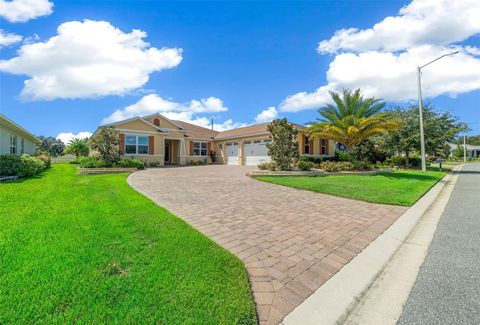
x: 312, y: 173
x: 82, y: 249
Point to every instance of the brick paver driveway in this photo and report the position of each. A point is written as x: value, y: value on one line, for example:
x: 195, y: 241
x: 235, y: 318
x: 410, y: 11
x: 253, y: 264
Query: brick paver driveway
x: 290, y: 240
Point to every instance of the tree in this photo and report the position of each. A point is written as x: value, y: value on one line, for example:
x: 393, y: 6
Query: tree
x: 440, y: 128
x: 352, y: 119
x: 105, y: 145
x: 78, y: 147
x: 458, y: 152
x: 283, y: 149
x: 50, y: 145
x: 473, y: 140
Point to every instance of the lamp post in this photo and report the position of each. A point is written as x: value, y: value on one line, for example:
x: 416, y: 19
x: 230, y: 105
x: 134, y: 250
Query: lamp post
x: 420, y: 112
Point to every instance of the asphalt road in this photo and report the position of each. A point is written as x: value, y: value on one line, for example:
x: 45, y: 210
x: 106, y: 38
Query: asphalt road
x: 447, y: 289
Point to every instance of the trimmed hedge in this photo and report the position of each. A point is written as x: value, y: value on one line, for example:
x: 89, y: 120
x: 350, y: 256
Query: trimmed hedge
x: 23, y: 166
x: 94, y: 162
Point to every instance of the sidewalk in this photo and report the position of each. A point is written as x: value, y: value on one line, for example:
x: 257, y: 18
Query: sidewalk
x: 447, y: 289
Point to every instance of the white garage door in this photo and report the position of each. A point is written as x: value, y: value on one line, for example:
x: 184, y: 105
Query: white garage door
x: 255, y: 152
x: 232, y: 153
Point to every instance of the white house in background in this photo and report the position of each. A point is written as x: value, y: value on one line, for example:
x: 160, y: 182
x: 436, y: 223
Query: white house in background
x: 472, y: 151
x: 14, y: 139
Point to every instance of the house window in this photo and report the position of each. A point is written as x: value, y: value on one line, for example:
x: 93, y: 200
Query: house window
x: 13, y: 144
x: 22, y: 146
x: 324, y: 146
x: 306, y: 145
x: 200, y: 149
x: 136, y: 144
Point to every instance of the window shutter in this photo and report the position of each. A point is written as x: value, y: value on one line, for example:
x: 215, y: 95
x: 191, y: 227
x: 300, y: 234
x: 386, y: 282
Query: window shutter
x: 151, y: 143
x: 191, y: 148
x: 121, y: 144
x: 326, y: 147
x: 209, y: 148
x: 320, y: 146
x: 302, y: 144
x: 311, y: 147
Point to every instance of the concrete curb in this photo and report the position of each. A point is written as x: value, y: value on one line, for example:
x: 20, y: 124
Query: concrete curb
x: 333, y: 301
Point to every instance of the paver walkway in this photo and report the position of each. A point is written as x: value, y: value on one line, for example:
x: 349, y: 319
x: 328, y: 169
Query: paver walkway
x: 290, y: 240
x: 447, y: 289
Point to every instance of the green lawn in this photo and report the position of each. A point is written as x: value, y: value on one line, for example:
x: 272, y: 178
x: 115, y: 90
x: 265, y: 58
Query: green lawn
x: 397, y: 188
x: 90, y: 249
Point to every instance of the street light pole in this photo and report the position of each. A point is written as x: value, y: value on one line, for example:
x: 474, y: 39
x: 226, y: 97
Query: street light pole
x: 420, y: 114
x: 420, y: 108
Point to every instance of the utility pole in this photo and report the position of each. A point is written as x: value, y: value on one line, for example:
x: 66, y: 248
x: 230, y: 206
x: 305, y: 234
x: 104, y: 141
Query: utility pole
x: 420, y: 109
x: 464, y: 148
x: 420, y: 114
x: 212, y: 123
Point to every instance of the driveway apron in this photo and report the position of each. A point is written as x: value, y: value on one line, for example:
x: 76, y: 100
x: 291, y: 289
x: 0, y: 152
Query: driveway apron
x: 291, y: 241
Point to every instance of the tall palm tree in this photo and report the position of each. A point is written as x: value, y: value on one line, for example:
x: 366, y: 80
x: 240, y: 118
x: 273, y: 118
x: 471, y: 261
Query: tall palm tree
x: 352, y: 119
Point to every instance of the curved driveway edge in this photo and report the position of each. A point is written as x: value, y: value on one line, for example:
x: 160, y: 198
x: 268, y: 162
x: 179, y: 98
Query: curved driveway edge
x: 291, y: 241
x: 334, y: 302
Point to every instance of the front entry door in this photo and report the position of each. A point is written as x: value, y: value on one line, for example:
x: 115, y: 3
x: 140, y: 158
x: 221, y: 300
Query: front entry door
x: 167, y: 152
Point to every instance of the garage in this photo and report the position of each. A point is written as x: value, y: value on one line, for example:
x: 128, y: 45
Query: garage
x: 232, y: 153
x: 255, y: 152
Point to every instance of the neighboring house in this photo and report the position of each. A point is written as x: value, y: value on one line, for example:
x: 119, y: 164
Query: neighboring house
x: 154, y: 138
x: 472, y: 151
x: 14, y: 139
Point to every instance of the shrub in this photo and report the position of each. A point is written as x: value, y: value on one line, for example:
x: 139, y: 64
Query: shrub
x: 126, y: 163
x: 22, y: 166
x: 9, y: 165
x: 362, y: 165
x: 305, y: 165
x: 341, y: 155
x: 401, y: 161
x: 153, y: 164
x: 336, y: 166
x: 267, y: 166
x: 91, y: 162
x: 46, y: 159
x: 30, y: 166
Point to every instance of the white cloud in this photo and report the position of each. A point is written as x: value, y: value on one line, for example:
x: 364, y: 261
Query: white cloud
x: 382, y: 60
x: 187, y: 112
x: 20, y: 11
x: 88, y: 59
x: 7, y: 39
x: 434, y: 22
x: 68, y: 136
x: 267, y: 115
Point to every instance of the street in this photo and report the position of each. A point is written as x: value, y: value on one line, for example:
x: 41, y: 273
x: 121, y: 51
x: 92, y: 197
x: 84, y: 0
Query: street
x: 447, y: 289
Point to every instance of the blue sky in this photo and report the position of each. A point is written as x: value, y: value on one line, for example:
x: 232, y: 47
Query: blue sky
x: 246, y: 57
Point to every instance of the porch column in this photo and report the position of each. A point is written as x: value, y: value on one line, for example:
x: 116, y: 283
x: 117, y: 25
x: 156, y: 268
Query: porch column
x: 240, y: 153
x: 183, y: 153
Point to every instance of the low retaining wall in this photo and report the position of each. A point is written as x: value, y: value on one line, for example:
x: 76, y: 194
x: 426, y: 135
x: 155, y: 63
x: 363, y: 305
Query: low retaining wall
x: 254, y: 173
x: 98, y: 171
x: 7, y: 178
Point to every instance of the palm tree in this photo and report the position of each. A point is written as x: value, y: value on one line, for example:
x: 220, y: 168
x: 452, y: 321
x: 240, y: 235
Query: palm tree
x: 352, y: 119
x: 78, y: 147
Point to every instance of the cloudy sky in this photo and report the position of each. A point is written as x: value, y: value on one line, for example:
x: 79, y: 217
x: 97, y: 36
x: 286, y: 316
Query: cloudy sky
x: 68, y: 66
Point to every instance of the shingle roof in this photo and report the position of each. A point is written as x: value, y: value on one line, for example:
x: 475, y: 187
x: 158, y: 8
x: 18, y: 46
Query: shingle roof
x: 197, y: 132
x: 244, y: 131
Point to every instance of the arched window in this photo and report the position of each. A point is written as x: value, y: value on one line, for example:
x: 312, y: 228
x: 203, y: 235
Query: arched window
x: 156, y: 122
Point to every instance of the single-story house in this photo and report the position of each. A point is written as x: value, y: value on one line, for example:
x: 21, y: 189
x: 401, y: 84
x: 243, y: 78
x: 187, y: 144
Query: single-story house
x: 14, y: 139
x: 472, y: 151
x: 155, y: 138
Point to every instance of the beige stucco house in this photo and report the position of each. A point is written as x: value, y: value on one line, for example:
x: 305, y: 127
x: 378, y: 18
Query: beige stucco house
x: 155, y: 138
x: 14, y: 139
